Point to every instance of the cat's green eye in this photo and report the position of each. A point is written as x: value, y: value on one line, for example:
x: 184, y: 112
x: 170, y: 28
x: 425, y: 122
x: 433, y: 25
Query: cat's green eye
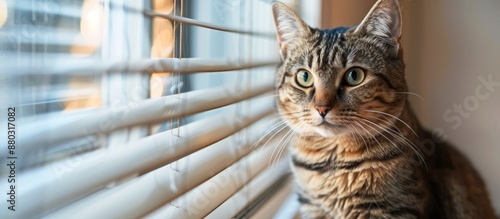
x: 304, y: 78
x: 354, y: 76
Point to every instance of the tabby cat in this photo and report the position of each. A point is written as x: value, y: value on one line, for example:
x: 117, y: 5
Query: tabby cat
x: 359, y: 150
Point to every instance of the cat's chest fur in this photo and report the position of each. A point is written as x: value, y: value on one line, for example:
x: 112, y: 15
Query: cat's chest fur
x: 339, y: 172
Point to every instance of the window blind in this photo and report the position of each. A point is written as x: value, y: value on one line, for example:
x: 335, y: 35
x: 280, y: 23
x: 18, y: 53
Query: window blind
x: 154, y: 109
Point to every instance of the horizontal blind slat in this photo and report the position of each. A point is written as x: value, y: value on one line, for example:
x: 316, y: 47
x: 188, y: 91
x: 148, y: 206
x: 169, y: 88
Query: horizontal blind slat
x: 145, y: 112
x: 52, y: 37
x: 289, y: 207
x: 270, y: 207
x: 60, y: 186
x: 49, y: 8
x: 75, y: 13
x: 25, y: 66
x: 165, y: 184
x: 252, y: 193
x: 207, y: 25
x: 228, y: 182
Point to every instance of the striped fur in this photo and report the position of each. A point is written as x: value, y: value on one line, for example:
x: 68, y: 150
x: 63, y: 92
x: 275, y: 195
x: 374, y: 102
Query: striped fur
x: 366, y: 155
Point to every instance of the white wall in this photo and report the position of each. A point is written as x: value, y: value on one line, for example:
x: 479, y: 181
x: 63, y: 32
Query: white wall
x: 452, y: 44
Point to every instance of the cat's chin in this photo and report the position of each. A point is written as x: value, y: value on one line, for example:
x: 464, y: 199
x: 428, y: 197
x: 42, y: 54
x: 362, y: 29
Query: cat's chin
x: 323, y: 131
x: 326, y: 132
x: 327, y: 129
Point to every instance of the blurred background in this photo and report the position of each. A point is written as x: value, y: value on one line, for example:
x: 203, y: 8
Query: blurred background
x: 452, y: 62
x: 93, y: 81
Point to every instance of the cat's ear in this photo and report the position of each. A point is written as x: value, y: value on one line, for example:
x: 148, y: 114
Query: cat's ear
x: 384, y: 19
x: 289, y: 27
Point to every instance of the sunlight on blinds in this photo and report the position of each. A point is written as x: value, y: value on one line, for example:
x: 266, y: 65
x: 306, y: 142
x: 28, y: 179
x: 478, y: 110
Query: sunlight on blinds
x: 129, y: 109
x: 3, y: 12
x: 163, y: 45
x: 90, y: 29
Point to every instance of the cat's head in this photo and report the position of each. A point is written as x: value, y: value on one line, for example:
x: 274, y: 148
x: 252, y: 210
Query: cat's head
x: 334, y: 80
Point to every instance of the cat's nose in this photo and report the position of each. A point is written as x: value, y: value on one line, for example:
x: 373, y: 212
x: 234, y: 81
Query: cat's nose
x: 322, y: 110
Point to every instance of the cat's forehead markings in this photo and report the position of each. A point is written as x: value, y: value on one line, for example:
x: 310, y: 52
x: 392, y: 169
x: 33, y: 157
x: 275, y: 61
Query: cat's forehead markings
x: 310, y: 60
x: 306, y: 63
x: 352, y: 58
x: 315, y: 60
x: 298, y: 66
x: 338, y: 60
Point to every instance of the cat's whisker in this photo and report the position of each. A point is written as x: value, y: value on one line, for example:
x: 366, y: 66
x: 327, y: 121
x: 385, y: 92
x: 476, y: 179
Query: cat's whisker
x: 279, y: 145
x: 274, y: 127
x: 381, y: 134
x: 303, y: 136
x: 352, y: 129
x: 411, y: 93
x: 384, y: 149
x: 349, y: 130
x: 393, y: 133
x: 358, y: 133
x: 290, y: 113
x: 281, y: 129
x: 368, y: 132
x: 387, y: 114
x: 290, y: 137
x: 390, y: 131
x: 403, y: 139
x: 389, y: 123
x: 353, y: 135
x: 285, y: 144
